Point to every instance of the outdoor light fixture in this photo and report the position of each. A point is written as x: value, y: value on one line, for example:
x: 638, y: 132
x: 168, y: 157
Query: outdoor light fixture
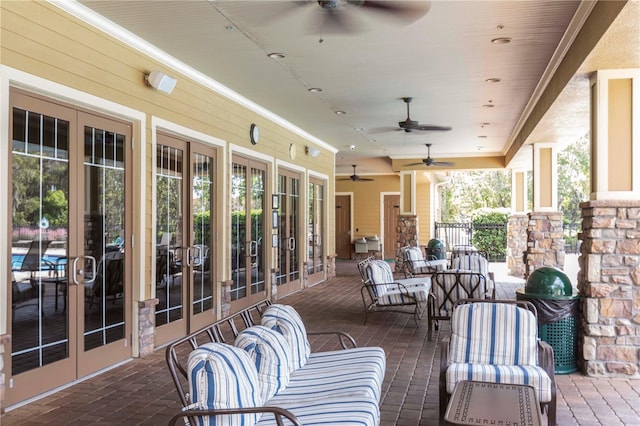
x: 160, y: 81
x: 312, y: 151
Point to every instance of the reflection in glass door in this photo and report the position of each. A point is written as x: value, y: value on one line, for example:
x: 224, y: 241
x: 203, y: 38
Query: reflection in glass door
x: 248, y: 264
x: 170, y: 190
x: 315, y: 227
x: 184, y: 233
x: 200, y: 255
x: 107, y: 303
x: 288, y: 276
x: 70, y: 309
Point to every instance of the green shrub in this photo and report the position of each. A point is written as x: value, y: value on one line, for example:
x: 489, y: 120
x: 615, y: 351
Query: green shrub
x: 490, y: 231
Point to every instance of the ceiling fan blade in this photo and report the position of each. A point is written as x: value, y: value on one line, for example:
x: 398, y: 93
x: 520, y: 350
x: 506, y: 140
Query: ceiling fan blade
x: 384, y: 129
x: 442, y: 163
x: 422, y: 163
x: 406, y: 10
x: 427, y: 127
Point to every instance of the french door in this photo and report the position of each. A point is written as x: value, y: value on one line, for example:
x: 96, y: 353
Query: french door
x: 288, y: 222
x: 315, y: 226
x: 185, y: 228
x: 70, y: 295
x: 343, y: 227
x: 248, y: 244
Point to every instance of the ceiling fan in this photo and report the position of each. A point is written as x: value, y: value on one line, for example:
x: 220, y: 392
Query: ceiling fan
x: 409, y: 125
x: 354, y: 177
x: 341, y: 16
x: 430, y: 161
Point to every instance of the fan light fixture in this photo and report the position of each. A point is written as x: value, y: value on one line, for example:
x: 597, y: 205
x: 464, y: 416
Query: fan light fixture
x: 160, y: 81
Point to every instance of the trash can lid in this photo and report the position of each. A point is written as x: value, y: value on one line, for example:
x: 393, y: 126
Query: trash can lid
x: 435, y: 243
x: 548, y: 282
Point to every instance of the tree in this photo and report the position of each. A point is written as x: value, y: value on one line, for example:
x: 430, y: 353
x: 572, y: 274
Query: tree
x: 470, y: 191
x: 573, y: 179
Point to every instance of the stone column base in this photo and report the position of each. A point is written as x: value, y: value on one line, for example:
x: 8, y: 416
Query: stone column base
x: 4, y: 340
x: 147, y: 326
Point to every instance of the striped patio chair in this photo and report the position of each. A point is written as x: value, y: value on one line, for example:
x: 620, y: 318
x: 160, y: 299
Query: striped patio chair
x: 497, y: 342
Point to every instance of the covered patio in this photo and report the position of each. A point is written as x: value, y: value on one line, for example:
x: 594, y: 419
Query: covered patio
x: 140, y: 392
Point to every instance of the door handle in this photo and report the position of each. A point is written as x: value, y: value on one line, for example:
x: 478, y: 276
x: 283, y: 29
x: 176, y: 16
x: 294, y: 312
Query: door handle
x: 197, y: 258
x: 75, y: 271
x: 291, y: 244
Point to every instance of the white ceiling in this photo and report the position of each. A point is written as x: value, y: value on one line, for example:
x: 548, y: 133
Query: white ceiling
x: 442, y: 60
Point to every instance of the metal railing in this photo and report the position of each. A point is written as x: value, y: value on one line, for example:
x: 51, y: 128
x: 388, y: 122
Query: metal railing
x: 459, y: 234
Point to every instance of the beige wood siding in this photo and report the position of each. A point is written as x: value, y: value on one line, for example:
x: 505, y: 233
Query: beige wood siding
x: 42, y: 40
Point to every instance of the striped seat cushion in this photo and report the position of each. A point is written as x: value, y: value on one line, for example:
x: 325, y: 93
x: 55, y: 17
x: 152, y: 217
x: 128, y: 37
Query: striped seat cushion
x: 341, y: 373
x: 514, y: 374
x: 285, y: 320
x: 223, y: 376
x: 416, y: 262
x: 493, y: 333
x: 398, y: 295
x: 495, y: 342
x: 270, y: 353
x: 472, y: 262
x: 379, y: 272
x: 344, y: 411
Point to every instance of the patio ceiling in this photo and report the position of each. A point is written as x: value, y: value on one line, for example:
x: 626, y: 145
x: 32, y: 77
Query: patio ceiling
x: 443, y: 60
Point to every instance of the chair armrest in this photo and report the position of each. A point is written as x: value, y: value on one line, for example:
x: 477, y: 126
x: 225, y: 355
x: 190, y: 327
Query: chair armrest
x: 343, y: 338
x: 444, y: 357
x: 545, y: 358
x: 443, y: 396
x: 277, y: 412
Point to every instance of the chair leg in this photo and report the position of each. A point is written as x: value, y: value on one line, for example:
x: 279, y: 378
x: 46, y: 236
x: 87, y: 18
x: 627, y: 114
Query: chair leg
x: 444, y: 400
x: 551, y: 413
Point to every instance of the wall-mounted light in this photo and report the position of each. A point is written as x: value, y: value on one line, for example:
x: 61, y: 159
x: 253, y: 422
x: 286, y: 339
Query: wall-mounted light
x: 312, y: 151
x: 160, y: 81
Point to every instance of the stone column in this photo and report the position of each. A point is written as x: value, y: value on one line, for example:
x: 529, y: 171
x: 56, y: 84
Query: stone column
x: 331, y: 266
x: 609, y: 282
x: 516, y: 244
x: 609, y: 278
x: 407, y: 235
x: 517, y: 225
x: 225, y: 302
x: 147, y: 326
x: 545, y: 241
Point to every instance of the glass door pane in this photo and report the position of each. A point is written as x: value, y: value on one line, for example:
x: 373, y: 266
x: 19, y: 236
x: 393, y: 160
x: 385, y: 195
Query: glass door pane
x: 288, y: 277
x: 39, y: 241
x: 169, y: 193
x: 315, y: 225
x: 238, y: 232
x: 248, y: 266
x: 104, y: 226
x: 256, y: 243
x: 202, y: 247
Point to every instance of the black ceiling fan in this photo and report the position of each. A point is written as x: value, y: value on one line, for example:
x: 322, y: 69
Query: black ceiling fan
x: 430, y: 161
x: 341, y: 16
x: 354, y: 177
x: 409, y: 125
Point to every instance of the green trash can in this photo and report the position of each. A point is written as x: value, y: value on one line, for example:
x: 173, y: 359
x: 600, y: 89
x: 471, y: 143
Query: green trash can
x: 435, y: 249
x: 550, y: 291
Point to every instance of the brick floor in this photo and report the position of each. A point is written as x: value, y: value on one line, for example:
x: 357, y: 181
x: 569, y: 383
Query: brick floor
x: 140, y: 392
